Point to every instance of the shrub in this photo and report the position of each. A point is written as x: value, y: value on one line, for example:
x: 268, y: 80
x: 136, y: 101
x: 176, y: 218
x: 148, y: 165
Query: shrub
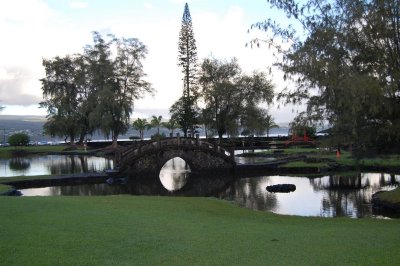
x: 18, y: 139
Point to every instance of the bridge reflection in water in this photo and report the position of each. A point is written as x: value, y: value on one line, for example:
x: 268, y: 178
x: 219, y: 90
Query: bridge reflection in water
x: 329, y: 196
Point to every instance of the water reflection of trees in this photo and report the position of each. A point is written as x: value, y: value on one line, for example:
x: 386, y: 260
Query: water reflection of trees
x: 76, y: 164
x: 250, y: 193
x: 19, y: 164
x: 349, y: 194
x: 150, y: 185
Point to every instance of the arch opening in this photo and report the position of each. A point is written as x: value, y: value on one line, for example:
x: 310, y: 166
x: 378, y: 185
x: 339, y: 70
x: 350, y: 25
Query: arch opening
x: 174, y: 174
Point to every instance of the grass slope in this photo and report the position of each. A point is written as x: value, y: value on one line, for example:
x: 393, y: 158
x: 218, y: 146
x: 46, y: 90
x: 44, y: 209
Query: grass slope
x: 129, y: 230
x: 392, y: 196
x: 4, y: 188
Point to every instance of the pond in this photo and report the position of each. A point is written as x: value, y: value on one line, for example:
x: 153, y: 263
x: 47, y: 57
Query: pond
x: 53, y: 165
x: 333, y: 195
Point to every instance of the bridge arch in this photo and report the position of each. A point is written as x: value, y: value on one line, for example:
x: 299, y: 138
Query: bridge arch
x: 200, y: 155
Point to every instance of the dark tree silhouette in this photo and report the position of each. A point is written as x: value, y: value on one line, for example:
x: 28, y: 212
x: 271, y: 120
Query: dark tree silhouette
x: 187, y: 59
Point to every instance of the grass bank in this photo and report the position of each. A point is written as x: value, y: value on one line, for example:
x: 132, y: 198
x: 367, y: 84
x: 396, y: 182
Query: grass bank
x: 8, y: 152
x: 4, y: 188
x: 323, y: 159
x: 129, y: 230
x: 392, y: 196
x: 24, y: 178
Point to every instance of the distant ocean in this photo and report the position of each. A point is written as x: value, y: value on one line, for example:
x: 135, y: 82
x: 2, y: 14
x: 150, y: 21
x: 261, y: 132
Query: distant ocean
x: 33, y: 126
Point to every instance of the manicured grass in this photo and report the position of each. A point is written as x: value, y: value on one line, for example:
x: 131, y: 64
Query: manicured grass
x: 4, y: 188
x: 6, y: 152
x: 386, y: 161
x: 346, y: 159
x: 23, y: 177
x: 291, y: 151
x: 139, y: 230
x: 392, y: 196
x: 302, y: 164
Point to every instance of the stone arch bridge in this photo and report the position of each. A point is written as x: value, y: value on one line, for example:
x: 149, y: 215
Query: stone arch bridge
x: 201, y: 155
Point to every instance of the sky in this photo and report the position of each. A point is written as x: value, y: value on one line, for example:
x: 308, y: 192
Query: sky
x: 35, y: 29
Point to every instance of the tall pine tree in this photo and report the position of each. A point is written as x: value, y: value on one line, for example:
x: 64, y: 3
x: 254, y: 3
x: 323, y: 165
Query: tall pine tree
x: 187, y: 59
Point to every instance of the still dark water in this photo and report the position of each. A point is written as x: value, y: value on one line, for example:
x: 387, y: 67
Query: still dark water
x: 53, y: 165
x: 327, y: 196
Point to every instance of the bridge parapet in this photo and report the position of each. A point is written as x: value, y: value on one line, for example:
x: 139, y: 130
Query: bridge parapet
x: 188, y: 142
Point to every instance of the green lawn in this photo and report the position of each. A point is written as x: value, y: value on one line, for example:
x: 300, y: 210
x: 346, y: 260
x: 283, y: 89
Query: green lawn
x: 139, y: 230
x: 6, y: 152
x: 392, y: 196
x: 24, y: 177
x: 345, y: 159
x: 4, y: 188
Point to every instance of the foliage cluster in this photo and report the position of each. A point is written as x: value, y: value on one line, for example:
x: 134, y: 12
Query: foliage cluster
x: 184, y: 110
x: 94, y: 90
x: 19, y: 139
x: 344, y: 59
x: 231, y: 98
x: 156, y: 122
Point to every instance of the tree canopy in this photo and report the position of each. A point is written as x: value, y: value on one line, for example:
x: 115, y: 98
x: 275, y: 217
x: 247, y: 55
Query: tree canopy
x: 187, y: 60
x: 140, y: 125
x: 19, y: 139
x: 344, y: 57
x: 95, y: 90
x: 232, y: 97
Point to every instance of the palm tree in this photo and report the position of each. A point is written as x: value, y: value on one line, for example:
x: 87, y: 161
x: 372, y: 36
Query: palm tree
x: 171, y: 125
x: 156, y: 122
x: 140, y: 125
x: 270, y: 123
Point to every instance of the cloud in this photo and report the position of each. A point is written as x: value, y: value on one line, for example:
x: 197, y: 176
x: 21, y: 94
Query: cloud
x: 148, y: 6
x: 37, y: 31
x: 13, y: 82
x: 22, y: 11
x: 78, y: 5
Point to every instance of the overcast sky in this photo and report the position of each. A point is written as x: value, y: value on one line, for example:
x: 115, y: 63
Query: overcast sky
x: 34, y: 29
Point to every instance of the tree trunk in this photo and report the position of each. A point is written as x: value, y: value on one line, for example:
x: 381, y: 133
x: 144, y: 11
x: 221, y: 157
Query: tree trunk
x: 114, y: 142
x: 220, y: 134
x: 81, y: 138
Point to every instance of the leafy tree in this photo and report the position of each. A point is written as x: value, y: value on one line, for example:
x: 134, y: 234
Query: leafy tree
x: 96, y: 90
x: 302, y: 124
x: 19, y: 139
x: 345, y: 63
x: 269, y: 123
x: 171, y: 125
x: 140, y: 125
x: 61, y: 92
x: 118, y: 82
x: 253, y: 121
x: 156, y: 122
x: 187, y: 60
x: 206, y: 119
x: 228, y: 93
x: 185, y: 117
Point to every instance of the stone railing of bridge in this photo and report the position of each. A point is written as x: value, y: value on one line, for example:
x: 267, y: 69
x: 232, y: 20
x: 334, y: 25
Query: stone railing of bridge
x: 189, y: 143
